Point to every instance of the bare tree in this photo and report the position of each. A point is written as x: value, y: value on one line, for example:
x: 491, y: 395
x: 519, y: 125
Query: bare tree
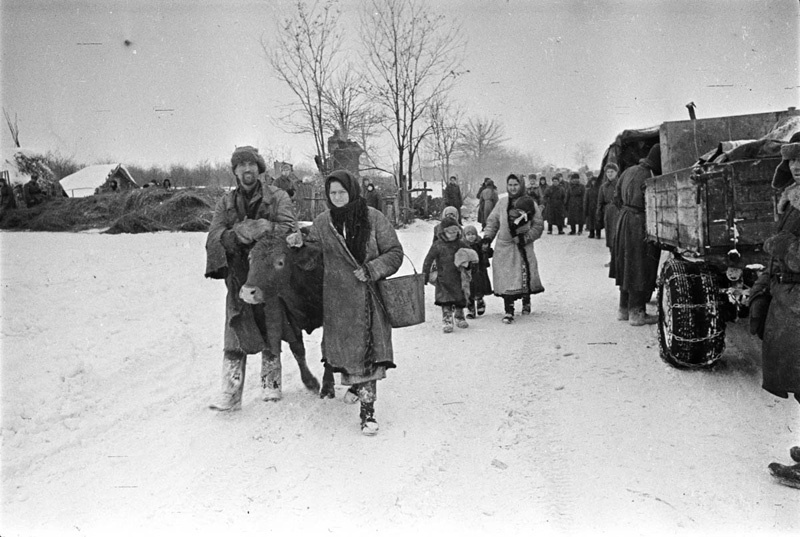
x: 350, y: 110
x: 482, y: 138
x: 412, y: 57
x: 12, y: 126
x: 304, y: 57
x: 444, y: 120
x: 584, y: 152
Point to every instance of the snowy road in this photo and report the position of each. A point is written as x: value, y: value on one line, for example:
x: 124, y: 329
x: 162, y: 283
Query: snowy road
x: 566, y: 422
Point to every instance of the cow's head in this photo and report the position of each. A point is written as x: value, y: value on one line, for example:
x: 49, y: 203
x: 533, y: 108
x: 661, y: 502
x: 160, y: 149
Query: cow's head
x: 275, y: 268
x: 269, y: 269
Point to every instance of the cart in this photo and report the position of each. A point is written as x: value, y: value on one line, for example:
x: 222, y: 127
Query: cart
x: 713, y: 220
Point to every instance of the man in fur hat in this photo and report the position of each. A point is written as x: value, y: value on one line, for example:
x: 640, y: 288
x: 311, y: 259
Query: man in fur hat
x: 634, y: 264
x: 240, y: 218
x: 775, y: 299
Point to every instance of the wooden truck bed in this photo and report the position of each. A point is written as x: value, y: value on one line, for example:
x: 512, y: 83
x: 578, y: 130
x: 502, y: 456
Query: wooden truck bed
x: 692, y: 211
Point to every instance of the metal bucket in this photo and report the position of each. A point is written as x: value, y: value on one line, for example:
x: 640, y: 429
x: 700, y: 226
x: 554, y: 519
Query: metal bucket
x: 404, y: 299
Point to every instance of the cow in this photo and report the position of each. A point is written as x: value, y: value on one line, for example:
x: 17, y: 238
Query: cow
x: 289, y: 279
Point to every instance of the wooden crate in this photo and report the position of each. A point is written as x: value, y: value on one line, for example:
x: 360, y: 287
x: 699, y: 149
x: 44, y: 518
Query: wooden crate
x: 693, y: 210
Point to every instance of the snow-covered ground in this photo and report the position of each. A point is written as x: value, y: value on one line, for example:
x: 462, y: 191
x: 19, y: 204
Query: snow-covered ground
x: 566, y: 422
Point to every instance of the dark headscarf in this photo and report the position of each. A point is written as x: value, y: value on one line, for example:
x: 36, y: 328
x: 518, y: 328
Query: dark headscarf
x: 521, y: 189
x: 352, y: 220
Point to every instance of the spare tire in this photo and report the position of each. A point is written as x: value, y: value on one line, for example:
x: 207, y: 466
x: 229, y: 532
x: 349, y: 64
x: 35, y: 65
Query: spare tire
x: 691, y: 327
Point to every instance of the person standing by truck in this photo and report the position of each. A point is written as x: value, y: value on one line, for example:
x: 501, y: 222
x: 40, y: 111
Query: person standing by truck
x: 775, y: 299
x: 634, y: 262
x: 606, y: 210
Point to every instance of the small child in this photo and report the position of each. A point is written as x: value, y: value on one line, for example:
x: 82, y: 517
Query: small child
x: 449, y: 289
x: 480, y: 286
x: 521, y: 214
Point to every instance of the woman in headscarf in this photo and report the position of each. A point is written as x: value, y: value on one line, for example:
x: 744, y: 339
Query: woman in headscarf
x: 359, y: 247
x: 515, y: 274
x: 775, y: 299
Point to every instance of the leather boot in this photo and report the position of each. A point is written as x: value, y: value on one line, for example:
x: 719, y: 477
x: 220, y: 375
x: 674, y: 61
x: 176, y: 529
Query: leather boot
x: 270, y: 377
x: 233, y: 369
x: 641, y: 318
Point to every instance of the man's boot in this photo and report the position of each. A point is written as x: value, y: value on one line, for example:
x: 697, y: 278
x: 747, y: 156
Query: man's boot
x: 233, y: 368
x: 270, y: 377
x: 639, y: 317
x: 481, y: 306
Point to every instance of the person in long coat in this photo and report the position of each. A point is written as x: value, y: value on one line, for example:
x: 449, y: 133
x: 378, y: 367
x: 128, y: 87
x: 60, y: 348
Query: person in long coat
x: 574, y: 201
x: 452, y: 196
x: 775, y: 299
x: 515, y: 274
x: 240, y: 217
x: 607, y: 211
x: 487, y: 199
x: 359, y: 247
x: 542, y: 195
x: 634, y: 262
x: 554, y: 199
x: 590, y: 208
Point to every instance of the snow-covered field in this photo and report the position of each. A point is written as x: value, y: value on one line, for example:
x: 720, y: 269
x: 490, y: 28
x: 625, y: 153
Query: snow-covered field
x: 566, y: 422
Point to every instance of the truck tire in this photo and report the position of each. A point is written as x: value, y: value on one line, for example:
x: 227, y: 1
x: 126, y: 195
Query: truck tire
x: 691, y: 328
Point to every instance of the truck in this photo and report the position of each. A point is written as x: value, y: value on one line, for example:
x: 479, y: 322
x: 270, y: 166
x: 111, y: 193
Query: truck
x: 710, y: 210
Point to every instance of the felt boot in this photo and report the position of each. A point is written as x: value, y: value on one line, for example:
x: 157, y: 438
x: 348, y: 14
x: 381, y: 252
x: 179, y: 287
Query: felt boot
x: 447, y: 319
x: 369, y: 427
x: 233, y: 368
x: 461, y: 322
x: 270, y: 377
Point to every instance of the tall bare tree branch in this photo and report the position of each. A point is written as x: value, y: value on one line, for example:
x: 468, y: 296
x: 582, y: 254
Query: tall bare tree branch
x: 304, y: 56
x: 412, y: 57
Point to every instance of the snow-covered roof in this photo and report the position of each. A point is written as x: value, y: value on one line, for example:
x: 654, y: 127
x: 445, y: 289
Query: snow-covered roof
x: 84, y: 182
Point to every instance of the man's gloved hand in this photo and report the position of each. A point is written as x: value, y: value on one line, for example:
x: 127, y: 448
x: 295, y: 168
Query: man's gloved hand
x: 759, y: 306
x: 248, y: 231
x: 294, y: 240
x: 523, y: 229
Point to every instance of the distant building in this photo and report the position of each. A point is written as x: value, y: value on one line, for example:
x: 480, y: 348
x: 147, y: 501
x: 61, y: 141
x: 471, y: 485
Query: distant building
x: 97, y: 178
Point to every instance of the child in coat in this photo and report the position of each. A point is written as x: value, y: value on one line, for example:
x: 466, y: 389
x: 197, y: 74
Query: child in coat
x: 481, y: 285
x: 449, y: 289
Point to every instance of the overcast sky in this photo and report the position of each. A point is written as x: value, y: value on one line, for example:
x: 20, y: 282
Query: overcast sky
x: 193, y: 82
